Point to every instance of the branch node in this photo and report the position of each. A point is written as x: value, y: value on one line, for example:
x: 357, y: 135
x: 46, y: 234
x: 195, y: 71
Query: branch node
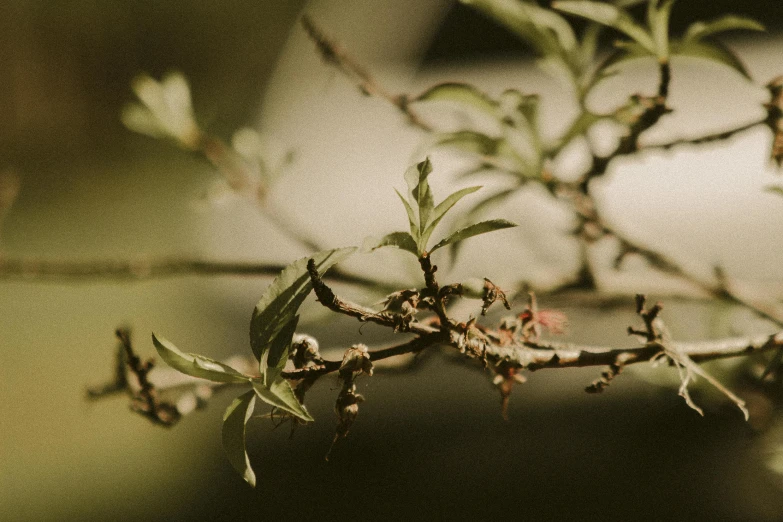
x: 609, y: 374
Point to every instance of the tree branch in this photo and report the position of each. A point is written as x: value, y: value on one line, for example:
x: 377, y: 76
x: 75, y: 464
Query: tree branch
x: 363, y: 314
x: 144, y: 400
x: 535, y: 356
x: 654, y: 108
x: 334, y: 54
x: 145, y: 268
x: 709, y: 138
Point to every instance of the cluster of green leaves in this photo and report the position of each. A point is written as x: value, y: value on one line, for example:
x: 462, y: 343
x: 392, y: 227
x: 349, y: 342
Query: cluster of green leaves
x: 424, y: 216
x: 653, y: 39
x: 550, y: 35
x: 276, y: 317
x: 515, y: 146
x: 271, y: 334
x: 250, y: 165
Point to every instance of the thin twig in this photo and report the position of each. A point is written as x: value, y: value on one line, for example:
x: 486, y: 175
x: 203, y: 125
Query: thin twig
x: 411, y: 347
x: 334, y: 54
x: 709, y: 138
x: 327, y: 298
x: 144, y: 268
x: 722, y: 289
x: 542, y: 354
x: 146, y: 401
x: 654, y: 108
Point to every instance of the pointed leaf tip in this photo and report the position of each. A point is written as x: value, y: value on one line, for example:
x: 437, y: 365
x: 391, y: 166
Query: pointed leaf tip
x: 440, y: 211
x: 401, y: 240
x: 462, y: 94
x: 234, y: 429
x: 278, y: 393
x: 609, y: 15
x: 196, y: 365
x: 283, y: 297
x: 474, y: 230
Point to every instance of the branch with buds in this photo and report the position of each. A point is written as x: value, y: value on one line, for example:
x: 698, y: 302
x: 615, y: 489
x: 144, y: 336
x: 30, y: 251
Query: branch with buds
x: 640, y: 114
x: 286, y: 364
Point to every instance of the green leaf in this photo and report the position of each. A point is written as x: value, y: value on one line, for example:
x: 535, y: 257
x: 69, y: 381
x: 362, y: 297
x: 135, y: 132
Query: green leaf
x: 282, y: 298
x: 608, y: 15
x: 713, y: 51
x: 234, y: 424
x: 658, y: 15
x: 474, y: 170
x: 462, y: 94
x: 579, y: 127
x: 489, y: 201
x: 419, y: 189
x: 401, y: 240
x: 411, y: 216
x: 626, y: 51
x: 440, y: 211
x: 547, y: 32
x: 589, y: 44
x: 477, y: 209
x: 774, y: 189
x: 196, y: 365
x: 628, y: 3
x: 524, y: 104
x: 699, y: 30
x: 474, y: 230
x: 469, y: 141
x: 277, y: 355
x: 280, y: 395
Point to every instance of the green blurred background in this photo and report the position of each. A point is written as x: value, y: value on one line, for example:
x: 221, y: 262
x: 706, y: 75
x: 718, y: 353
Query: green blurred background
x: 427, y: 445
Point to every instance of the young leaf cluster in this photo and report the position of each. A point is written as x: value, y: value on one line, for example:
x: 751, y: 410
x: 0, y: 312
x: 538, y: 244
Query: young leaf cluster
x: 424, y: 216
x: 653, y: 39
x: 272, y: 330
x: 516, y: 147
x: 549, y: 35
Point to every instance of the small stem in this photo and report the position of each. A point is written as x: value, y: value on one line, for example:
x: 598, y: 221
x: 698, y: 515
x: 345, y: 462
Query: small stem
x: 32, y: 269
x: 146, y: 401
x: 412, y: 346
x: 564, y: 355
x: 333, y: 53
x: 545, y: 354
x: 327, y: 298
x: 432, y: 285
x: 709, y: 138
x: 665, y: 78
x: 629, y: 144
x: 723, y: 290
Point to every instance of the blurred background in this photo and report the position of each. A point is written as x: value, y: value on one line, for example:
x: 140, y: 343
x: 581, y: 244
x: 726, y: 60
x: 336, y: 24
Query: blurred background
x: 429, y: 444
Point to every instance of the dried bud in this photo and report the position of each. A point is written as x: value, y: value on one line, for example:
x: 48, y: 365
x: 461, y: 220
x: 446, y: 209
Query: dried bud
x: 510, y: 323
x: 356, y: 360
x: 535, y: 320
x: 394, y: 301
x: 491, y: 294
x: 402, y: 306
x: 472, y: 341
x: 347, y: 408
x: 505, y: 379
x: 775, y: 118
x: 304, y: 351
